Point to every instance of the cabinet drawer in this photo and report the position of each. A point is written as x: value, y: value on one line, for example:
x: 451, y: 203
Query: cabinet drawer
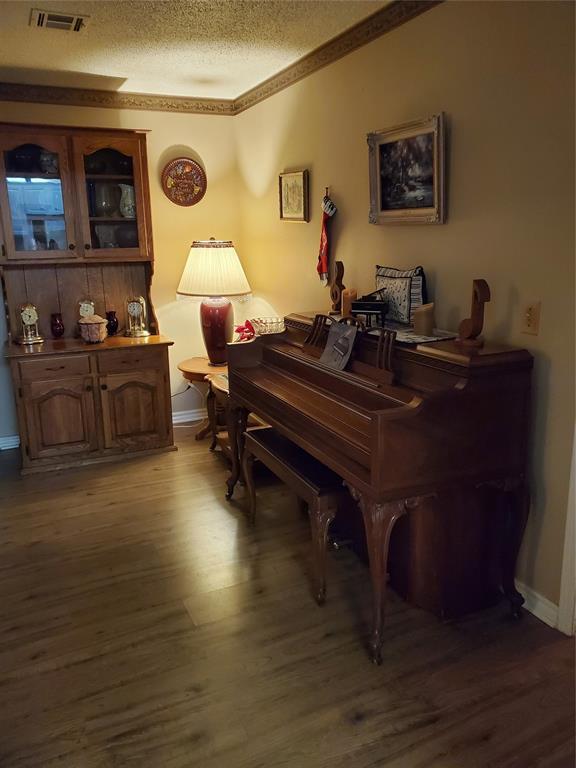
x: 126, y: 360
x: 54, y: 368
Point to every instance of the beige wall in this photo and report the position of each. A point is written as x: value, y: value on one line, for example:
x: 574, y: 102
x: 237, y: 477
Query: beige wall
x: 503, y: 74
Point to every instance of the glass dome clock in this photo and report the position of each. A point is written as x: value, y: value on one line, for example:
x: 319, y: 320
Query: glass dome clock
x: 136, y: 312
x: 29, y: 319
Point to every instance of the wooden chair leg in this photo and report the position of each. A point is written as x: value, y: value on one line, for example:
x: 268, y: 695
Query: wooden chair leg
x: 321, y: 514
x: 211, y: 408
x: 237, y: 418
x: 233, y: 416
x: 248, y: 473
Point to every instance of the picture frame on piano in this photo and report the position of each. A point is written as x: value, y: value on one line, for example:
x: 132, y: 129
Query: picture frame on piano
x: 406, y: 168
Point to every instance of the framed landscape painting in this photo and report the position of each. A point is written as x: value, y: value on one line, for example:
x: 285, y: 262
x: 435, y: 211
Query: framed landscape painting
x: 293, y: 191
x: 406, y: 165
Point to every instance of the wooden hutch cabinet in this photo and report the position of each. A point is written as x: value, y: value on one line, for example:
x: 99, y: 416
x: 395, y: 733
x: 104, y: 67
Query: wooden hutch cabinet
x: 75, y: 226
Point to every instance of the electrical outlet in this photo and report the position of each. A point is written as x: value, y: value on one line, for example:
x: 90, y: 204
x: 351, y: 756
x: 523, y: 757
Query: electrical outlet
x: 531, y: 318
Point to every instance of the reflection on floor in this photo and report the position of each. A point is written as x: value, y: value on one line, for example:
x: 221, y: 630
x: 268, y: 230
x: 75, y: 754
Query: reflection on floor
x: 144, y: 624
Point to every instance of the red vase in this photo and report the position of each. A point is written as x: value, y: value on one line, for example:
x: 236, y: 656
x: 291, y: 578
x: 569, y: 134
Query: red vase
x: 112, y: 324
x: 217, y: 320
x: 56, y: 325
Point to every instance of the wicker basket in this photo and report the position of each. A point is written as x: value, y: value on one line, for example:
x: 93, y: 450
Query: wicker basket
x: 93, y: 329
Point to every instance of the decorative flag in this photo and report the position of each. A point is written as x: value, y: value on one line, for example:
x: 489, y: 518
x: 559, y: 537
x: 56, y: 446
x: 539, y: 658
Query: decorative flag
x: 328, y: 210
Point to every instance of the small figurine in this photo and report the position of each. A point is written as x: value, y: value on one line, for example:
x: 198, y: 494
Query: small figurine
x: 470, y: 329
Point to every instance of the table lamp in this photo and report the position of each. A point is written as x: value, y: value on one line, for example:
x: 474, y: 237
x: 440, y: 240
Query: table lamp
x: 213, y: 270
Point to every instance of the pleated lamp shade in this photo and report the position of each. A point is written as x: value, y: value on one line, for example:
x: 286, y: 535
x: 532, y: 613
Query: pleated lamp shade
x: 213, y: 269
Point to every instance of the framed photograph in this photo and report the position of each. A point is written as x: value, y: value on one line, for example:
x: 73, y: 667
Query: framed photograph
x: 406, y: 167
x: 293, y: 190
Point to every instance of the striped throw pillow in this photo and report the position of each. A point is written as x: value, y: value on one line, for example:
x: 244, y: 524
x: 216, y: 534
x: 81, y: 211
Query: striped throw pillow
x: 417, y: 289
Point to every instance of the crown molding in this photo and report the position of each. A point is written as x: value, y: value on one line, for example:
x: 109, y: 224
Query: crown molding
x: 390, y: 17
x: 89, y: 97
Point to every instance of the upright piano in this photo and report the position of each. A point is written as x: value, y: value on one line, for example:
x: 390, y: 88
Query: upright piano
x: 400, y: 424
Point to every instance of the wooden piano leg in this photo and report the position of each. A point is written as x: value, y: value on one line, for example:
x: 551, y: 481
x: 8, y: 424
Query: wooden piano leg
x: 321, y: 514
x: 211, y: 408
x: 517, y: 499
x: 237, y: 418
x: 379, y: 520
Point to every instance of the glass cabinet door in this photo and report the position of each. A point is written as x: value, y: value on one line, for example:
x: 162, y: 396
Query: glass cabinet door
x: 111, y: 197
x: 35, y: 197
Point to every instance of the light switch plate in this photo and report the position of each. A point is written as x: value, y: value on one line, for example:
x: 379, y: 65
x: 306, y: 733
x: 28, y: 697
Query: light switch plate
x: 531, y: 318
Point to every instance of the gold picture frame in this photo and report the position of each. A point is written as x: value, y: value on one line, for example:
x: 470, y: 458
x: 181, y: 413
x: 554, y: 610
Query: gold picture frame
x: 406, y: 166
x: 293, y: 196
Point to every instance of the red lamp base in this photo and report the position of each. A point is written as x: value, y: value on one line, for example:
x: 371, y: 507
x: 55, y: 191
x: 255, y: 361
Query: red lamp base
x: 217, y: 321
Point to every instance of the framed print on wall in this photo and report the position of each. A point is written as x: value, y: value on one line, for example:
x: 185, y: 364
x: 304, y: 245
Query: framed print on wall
x: 293, y: 194
x: 406, y: 165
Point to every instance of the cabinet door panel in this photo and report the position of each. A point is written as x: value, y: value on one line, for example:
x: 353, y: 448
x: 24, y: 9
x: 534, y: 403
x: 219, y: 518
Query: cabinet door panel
x: 36, y: 199
x: 111, y: 197
x: 134, y: 409
x: 59, y: 417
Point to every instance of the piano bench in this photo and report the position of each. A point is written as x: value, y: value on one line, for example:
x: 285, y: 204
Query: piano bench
x: 313, y: 483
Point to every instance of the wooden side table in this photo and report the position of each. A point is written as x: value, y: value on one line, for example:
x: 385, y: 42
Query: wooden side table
x: 199, y: 369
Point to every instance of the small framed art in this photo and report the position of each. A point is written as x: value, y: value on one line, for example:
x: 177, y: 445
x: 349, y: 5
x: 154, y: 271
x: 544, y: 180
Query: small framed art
x: 293, y: 194
x: 406, y: 165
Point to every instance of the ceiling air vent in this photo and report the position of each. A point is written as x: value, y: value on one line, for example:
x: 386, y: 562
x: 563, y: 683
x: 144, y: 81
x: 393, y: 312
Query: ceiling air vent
x: 68, y: 22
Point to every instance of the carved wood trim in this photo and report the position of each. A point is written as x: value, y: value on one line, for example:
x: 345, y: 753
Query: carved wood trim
x: 385, y: 354
x: 380, y: 23
x: 318, y: 331
x: 88, y: 97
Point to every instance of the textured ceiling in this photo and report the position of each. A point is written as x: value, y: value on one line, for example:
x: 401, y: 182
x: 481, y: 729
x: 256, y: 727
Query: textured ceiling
x: 202, y: 48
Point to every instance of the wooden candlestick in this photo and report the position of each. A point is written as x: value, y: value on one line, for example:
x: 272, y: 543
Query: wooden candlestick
x: 348, y: 296
x: 424, y: 320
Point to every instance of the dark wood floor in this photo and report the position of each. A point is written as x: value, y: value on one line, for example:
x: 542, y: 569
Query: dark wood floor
x: 144, y: 625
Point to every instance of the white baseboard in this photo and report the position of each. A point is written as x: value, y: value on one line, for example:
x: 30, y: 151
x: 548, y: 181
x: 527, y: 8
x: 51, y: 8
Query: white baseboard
x: 178, y: 417
x: 540, y: 606
x: 9, y: 441
x: 183, y: 417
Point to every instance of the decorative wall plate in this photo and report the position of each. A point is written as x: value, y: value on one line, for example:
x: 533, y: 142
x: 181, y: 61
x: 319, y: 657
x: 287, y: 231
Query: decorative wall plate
x: 184, y: 181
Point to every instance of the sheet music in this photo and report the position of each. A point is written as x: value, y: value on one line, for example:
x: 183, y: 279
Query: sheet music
x: 339, y: 346
x: 409, y: 336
